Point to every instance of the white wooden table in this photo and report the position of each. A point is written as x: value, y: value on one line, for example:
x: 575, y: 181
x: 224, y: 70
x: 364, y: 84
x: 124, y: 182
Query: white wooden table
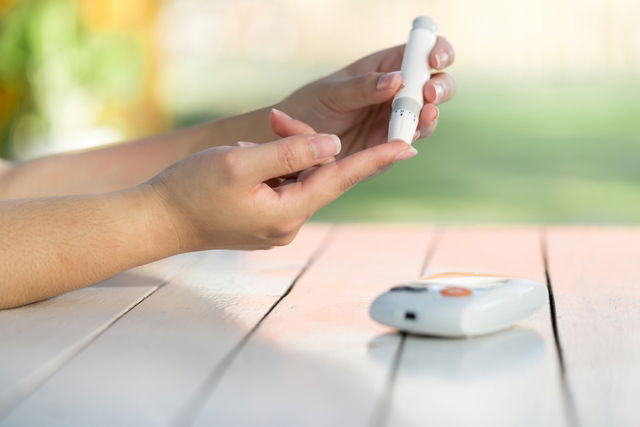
x: 283, y: 338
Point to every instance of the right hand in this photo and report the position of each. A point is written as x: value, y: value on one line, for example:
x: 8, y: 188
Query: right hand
x: 355, y: 102
x: 220, y: 198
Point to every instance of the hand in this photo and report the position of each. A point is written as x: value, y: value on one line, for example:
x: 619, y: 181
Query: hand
x: 355, y: 102
x: 221, y: 197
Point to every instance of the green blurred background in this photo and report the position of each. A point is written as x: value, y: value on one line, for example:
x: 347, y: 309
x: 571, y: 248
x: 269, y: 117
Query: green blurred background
x: 544, y: 128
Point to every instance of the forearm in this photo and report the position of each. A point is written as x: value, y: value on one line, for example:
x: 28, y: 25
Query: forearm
x: 55, y: 245
x: 121, y: 166
x: 252, y: 127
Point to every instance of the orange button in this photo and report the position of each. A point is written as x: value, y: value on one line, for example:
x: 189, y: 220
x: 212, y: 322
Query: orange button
x: 456, y: 291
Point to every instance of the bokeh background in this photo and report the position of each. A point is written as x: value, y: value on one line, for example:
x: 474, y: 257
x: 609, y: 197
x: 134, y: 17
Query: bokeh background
x: 545, y: 126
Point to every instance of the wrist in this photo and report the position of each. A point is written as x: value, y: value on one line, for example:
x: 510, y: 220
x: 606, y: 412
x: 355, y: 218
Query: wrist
x: 157, y: 220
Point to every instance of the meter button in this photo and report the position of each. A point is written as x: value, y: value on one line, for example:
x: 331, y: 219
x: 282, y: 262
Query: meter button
x: 455, y: 291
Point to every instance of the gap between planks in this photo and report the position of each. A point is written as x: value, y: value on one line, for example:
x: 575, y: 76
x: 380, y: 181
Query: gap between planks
x: 571, y: 412
x: 187, y: 415
x: 380, y: 417
x: 40, y: 376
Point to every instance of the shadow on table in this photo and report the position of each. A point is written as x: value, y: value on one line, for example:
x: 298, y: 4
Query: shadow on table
x: 494, y: 380
x: 502, y: 353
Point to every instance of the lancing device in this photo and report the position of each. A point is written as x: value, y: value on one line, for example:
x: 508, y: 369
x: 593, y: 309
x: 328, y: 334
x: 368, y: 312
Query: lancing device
x: 406, y: 106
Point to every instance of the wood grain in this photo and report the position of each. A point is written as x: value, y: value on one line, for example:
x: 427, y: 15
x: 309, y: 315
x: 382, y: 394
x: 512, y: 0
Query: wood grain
x: 142, y: 370
x: 128, y: 351
x: 318, y: 359
x: 504, y: 379
x: 37, y: 339
x: 595, y: 274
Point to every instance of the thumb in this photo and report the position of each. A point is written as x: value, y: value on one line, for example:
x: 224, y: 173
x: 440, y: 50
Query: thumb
x: 361, y: 91
x: 289, y: 155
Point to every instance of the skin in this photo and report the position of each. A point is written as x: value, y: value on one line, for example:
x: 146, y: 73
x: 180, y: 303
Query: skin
x: 349, y: 103
x: 71, y: 220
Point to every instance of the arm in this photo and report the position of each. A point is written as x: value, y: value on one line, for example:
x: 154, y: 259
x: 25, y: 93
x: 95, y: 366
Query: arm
x: 53, y: 245
x: 353, y: 103
x: 222, y: 197
x: 120, y: 166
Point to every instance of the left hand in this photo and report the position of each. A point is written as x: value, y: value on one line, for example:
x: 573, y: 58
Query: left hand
x: 256, y: 196
x: 355, y: 102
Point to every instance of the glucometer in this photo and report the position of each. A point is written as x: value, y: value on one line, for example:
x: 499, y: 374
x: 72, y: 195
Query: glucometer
x: 406, y: 105
x: 458, y: 304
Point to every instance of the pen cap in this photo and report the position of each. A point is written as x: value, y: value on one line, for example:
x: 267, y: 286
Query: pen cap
x: 425, y: 22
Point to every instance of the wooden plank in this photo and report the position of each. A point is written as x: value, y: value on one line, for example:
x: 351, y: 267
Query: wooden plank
x: 142, y: 370
x: 37, y: 339
x: 318, y: 359
x: 595, y: 275
x: 504, y: 379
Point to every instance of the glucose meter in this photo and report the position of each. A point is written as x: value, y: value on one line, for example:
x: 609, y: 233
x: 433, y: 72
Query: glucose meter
x: 458, y: 304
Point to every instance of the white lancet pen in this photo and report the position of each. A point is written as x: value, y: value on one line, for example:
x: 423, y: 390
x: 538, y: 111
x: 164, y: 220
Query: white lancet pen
x: 406, y: 106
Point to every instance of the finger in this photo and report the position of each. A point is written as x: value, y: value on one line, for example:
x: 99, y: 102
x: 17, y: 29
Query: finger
x: 296, y: 175
x: 352, y: 93
x: 330, y: 181
x: 284, y: 125
x: 296, y: 180
x: 287, y: 156
x: 428, y: 130
x: 246, y: 144
x: 384, y: 61
x: 440, y: 88
x: 288, y: 182
x: 442, y: 54
x: 306, y: 173
x: 428, y: 115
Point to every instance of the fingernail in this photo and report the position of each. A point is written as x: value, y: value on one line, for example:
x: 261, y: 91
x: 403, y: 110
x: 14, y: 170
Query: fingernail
x: 387, y: 81
x: 437, y: 86
x: 437, y: 113
x: 280, y: 113
x: 405, y: 154
x: 325, y: 145
x: 441, y: 59
x: 416, y: 135
x: 246, y: 144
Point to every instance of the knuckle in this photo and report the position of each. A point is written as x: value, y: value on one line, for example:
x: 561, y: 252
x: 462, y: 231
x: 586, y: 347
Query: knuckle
x: 230, y: 164
x: 365, y: 82
x: 288, y: 156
